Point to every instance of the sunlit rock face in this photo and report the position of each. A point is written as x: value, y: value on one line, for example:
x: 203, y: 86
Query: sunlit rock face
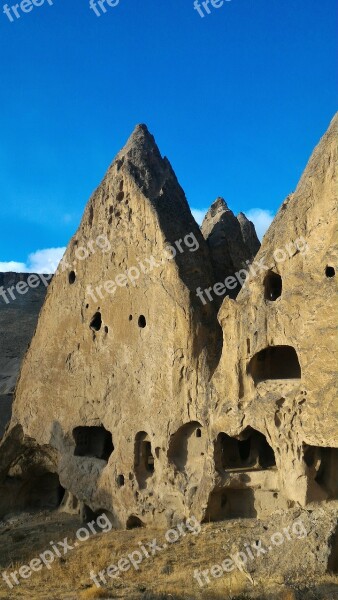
x: 117, y: 370
x: 279, y: 355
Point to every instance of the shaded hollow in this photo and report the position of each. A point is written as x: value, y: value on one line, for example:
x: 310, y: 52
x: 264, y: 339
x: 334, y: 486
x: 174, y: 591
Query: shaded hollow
x: 93, y: 442
x: 96, y: 322
x: 184, y: 444
x: 249, y: 450
x: 322, y: 467
x: 72, y: 277
x: 332, y: 565
x: 230, y: 504
x: 274, y: 362
x: 330, y: 271
x: 142, y: 321
x: 120, y: 480
x: 143, y: 458
x: 272, y: 286
x: 37, y: 490
x: 134, y: 522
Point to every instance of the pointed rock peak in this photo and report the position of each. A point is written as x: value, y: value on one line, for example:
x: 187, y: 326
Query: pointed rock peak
x: 249, y: 234
x: 219, y: 205
x: 141, y: 136
x: 141, y: 127
x: 223, y: 234
x: 140, y: 145
x: 220, y: 217
x: 218, y: 213
x: 139, y: 173
x: 216, y: 209
x: 243, y: 218
x: 144, y: 162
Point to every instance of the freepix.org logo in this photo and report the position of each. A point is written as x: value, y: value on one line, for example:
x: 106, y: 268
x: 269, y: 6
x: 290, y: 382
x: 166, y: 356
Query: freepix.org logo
x: 57, y: 550
x: 21, y: 8
x: 203, y: 8
x: 100, y: 6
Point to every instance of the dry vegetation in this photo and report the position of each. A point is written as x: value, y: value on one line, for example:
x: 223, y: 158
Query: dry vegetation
x: 167, y: 576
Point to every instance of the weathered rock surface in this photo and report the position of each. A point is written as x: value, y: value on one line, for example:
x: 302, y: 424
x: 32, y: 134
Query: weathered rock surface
x: 132, y: 359
x: 279, y: 354
x: 249, y: 234
x: 233, y: 242
x: 18, y: 319
x: 142, y: 409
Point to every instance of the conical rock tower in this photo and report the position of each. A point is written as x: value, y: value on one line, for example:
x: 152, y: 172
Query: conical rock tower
x: 123, y: 349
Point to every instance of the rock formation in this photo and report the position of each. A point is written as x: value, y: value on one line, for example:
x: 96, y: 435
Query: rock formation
x: 249, y: 234
x: 128, y: 357
x: 18, y: 318
x: 233, y: 242
x: 279, y: 351
x: 143, y: 402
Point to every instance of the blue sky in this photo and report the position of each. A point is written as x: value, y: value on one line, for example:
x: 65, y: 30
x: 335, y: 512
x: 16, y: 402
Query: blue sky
x: 236, y: 100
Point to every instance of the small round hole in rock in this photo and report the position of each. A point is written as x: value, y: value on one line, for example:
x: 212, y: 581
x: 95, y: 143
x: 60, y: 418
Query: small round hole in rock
x: 106, y: 329
x: 72, y: 277
x: 330, y: 271
x: 272, y: 286
x: 142, y: 321
x: 134, y: 522
x: 96, y: 322
x: 120, y: 480
x: 130, y: 317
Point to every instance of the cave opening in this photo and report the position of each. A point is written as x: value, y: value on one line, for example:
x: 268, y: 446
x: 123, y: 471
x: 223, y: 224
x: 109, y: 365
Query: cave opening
x: 274, y: 362
x: 322, y: 467
x: 72, y: 277
x: 272, y: 286
x: 249, y: 450
x: 93, y: 442
x: 133, y: 522
x: 226, y: 504
x: 144, y: 463
x: 96, y: 322
x: 330, y: 271
x: 142, y: 321
x: 185, y: 443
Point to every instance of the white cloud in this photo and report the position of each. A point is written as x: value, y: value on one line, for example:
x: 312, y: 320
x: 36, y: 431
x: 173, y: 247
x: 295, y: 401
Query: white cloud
x: 199, y: 214
x: 261, y: 219
x: 41, y: 261
x: 12, y: 265
x: 45, y: 261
